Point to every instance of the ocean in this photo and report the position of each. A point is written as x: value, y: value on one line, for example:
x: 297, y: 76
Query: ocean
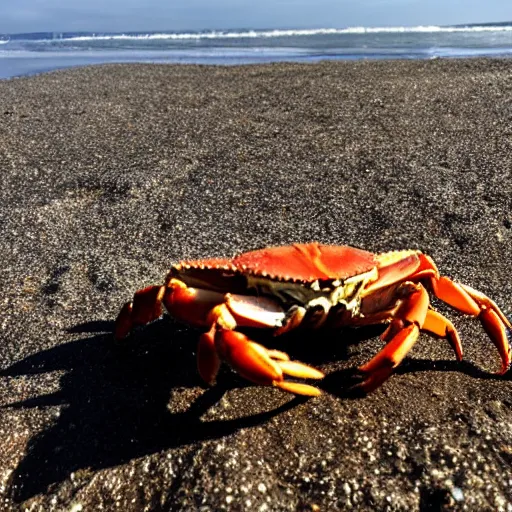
x: 26, y: 54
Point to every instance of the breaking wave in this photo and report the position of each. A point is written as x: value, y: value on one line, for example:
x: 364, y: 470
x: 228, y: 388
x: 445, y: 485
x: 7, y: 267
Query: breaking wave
x: 275, y: 33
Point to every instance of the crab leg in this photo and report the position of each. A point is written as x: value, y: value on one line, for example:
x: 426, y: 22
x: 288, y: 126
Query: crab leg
x: 208, y: 361
x: 472, y: 302
x: 145, y: 307
x: 402, y: 334
x: 187, y: 304
x: 438, y: 325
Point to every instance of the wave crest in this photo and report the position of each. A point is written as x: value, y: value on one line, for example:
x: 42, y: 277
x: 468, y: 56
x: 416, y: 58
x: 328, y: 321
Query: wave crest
x: 275, y: 33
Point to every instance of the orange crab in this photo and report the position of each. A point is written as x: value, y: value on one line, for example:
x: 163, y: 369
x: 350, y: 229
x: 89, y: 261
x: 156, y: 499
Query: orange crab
x: 311, y: 285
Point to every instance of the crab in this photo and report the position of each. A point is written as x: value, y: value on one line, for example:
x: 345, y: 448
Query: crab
x: 310, y: 285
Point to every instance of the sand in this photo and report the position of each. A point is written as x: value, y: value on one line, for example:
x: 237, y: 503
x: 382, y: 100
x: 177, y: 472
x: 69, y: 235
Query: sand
x: 111, y: 173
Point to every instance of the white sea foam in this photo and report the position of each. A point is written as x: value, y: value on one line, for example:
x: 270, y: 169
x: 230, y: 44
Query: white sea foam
x: 251, y: 34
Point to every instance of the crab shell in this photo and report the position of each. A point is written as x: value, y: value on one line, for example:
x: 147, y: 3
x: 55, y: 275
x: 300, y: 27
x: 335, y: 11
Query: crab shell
x: 266, y: 286
x: 301, y: 263
x: 311, y: 284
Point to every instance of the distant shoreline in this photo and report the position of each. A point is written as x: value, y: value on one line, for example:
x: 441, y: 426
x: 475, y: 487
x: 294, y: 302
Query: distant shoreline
x: 32, y: 65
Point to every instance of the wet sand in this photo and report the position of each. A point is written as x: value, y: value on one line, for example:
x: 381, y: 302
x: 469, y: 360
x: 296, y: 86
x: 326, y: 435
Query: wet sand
x: 110, y: 173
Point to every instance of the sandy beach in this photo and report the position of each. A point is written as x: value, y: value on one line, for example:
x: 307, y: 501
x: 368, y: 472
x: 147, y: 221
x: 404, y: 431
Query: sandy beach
x: 111, y: 173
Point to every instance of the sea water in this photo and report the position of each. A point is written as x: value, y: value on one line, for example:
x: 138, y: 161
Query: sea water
x: 23, y: 54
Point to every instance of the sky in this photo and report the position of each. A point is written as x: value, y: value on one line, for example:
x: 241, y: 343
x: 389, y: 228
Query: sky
x: 178, y: 15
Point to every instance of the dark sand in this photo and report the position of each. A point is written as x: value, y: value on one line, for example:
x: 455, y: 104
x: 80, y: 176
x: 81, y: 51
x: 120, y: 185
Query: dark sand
x: 110, y: 173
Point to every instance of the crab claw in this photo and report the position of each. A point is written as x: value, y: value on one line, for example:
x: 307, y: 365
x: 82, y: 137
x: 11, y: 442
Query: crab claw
x: 264, y: 367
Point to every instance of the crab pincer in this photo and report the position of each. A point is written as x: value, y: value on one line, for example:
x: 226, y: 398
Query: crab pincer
x: 262, y: 366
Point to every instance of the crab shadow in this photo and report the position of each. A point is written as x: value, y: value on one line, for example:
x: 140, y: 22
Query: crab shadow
x: 115, y: 402
x: 115, y: 398
x: 343, y: 383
